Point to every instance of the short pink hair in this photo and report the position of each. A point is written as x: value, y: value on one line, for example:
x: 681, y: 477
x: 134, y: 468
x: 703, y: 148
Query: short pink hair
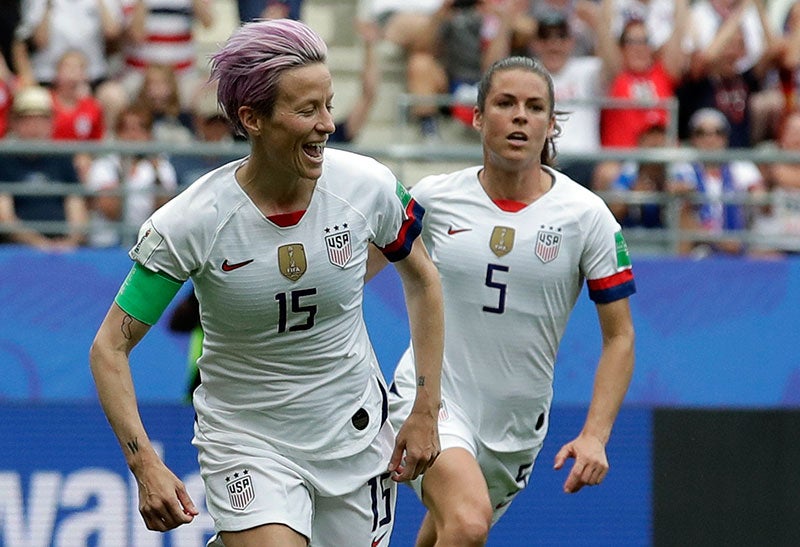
x: 250, y: 64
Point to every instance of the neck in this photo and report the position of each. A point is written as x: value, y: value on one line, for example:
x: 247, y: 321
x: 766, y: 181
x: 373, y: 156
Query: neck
x: 276, y: 194
x: 524, y: 186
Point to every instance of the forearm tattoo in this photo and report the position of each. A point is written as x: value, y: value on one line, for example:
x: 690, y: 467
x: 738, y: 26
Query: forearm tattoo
x: 133, y: 445
x: 125, y: 327
x: 420, y: 381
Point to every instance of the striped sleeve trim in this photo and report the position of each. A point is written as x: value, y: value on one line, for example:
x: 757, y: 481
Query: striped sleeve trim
x: 409, y: 231
x: 612, y: 288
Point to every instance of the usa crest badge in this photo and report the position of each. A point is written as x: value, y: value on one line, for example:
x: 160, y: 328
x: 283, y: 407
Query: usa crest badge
x: 339, y: 246
x: 292, y: 261
x: 502, y: 240
x: 241, y: 492
x: 548, y: 243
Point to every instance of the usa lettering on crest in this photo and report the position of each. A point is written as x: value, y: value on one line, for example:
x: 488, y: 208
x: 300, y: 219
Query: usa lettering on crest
x: 547, y: 245
x: 240, y: 491
x: 339, y: 248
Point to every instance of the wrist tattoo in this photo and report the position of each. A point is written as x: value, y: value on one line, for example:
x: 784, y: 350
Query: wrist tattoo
x: 420, y: 381
x: 133, y: 445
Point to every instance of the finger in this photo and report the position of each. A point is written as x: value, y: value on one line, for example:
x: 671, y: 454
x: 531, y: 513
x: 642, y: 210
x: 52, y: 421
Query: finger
x: 188, y: 505
x: 573, y: 483
x: 175, y: 515
x: 397, y: 456
x: 561, y: 456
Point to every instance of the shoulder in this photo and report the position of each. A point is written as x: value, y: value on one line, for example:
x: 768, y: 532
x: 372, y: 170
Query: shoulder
x: 203, y: 206
x: 342, y: 163
x: 349, y: 175
x: 441, y: 186
x: 576, y: 195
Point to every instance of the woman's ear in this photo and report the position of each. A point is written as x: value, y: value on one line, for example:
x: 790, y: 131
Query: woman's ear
x: 250, y: 120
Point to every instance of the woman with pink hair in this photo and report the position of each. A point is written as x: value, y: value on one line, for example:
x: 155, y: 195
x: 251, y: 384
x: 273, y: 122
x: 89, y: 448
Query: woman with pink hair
x: 292, y: 430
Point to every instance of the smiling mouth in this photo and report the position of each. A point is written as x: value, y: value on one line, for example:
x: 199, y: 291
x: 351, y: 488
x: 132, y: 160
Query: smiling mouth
x: 314, y: 150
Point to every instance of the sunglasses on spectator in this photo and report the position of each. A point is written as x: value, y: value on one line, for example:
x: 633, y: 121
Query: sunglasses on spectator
x: 635, y: 41
x: 705, y: 132
x: 553, y: 35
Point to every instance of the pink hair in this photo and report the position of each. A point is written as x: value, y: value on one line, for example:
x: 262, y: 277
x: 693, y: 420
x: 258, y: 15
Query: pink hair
x: 250, y: 64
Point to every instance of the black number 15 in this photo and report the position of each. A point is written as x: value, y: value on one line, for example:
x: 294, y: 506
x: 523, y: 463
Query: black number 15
x: 296, y: 307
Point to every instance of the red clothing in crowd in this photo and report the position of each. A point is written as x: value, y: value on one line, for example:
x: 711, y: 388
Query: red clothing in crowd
x: 82, y: 122
x: 5, y: 107
x: 620, y: 127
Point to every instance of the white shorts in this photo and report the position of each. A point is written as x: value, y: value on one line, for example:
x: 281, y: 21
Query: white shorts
x: 506, y: 473
x: 245, y: 490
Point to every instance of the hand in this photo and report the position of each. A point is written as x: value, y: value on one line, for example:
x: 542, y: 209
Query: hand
x: 591, y: 464
x: 416, y: 447
x: 163, y: 501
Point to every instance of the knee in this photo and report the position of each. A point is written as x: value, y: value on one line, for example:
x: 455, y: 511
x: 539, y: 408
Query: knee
x: 466, y: 528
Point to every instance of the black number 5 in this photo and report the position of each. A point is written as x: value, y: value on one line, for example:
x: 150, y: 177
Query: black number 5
x: 310, y: 309
x: 501, y: 287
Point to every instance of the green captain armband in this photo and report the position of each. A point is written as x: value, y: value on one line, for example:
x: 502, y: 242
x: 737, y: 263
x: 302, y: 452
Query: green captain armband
x: 144, y: 295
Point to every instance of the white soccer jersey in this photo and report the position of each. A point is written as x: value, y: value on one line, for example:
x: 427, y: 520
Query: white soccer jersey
x: 510, y: 281
x: 286, y: 357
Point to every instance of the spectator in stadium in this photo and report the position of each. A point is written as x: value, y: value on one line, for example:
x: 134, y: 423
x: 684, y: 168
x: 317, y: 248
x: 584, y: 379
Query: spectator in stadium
x: 411, y: 26
x: 579, y: 81
x: 644, y: 176
x: 50, y: 28
x: 718, y: 183
x: 250, y: 10
x: 31, y: 119
x: 77, y: 114
x: 580, y: 16
x: 162, y: 34
x: 513, y: 240
x: 291, y: 412
x: 126, y: 189
x: 725, y: 76
x: 161, y: 96
x: 211, y: 126
x: 349, y: 127
x: 645, y: 75
x: 6, y: 86
x: 782, y: 224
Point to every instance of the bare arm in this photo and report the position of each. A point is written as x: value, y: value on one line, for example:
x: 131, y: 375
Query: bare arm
x: 163, y: 500
x: 672, y: 56
x: 606, y: 46
x: 136, y: 29
x: 418, y: 437
x: 112, y: 26
x: 614, y: 371
x: 370, y: 78
x: 21, y: 234
x: 203, y: 13
x: 22, y: 63
x: 77, y: 216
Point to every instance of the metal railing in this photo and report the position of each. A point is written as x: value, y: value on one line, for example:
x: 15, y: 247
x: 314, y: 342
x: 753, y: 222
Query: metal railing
x: 656, y: 240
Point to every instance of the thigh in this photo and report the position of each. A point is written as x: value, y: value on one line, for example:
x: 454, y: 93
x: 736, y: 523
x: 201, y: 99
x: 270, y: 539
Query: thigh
x: 506, y: 474
x: 454, y: 486
x: 269, y: 535
x: 248, y: 491
x: 362, y: 517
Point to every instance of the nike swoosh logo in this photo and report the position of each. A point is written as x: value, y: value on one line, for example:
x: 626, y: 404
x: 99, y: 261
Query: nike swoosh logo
x: 376, y: 542
x: 228, y: 267
x: 452, y: 231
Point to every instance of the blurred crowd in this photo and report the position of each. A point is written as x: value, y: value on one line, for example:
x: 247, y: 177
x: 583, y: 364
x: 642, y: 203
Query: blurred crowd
x: 707, y: 74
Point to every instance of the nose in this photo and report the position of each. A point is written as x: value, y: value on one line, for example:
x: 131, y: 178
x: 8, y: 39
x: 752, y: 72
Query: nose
x: 325, y: 123
x: 520, y: 114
